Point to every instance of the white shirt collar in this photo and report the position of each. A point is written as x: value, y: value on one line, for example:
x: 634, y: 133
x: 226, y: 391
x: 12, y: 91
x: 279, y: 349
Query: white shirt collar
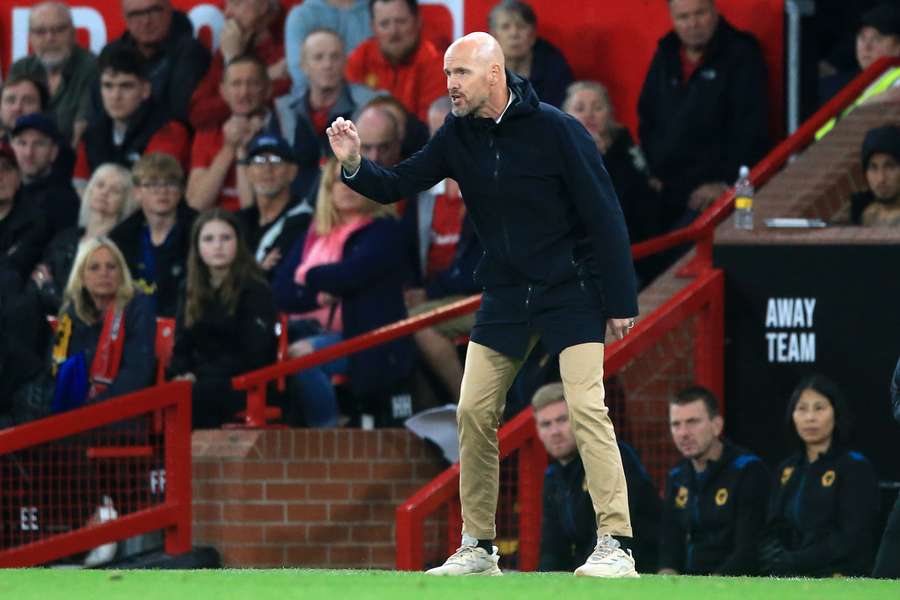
x: 512, y: 96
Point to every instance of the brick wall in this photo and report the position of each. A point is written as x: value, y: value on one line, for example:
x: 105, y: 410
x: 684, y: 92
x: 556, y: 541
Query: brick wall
x: 306, y: 498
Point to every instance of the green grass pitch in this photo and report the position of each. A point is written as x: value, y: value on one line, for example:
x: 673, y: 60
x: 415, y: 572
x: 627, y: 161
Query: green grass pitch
x: 285, y: 584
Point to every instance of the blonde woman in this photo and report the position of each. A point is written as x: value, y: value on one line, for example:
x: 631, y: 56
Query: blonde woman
x: 345, y: 279
x: 107, y: 201
x: 105, y: 328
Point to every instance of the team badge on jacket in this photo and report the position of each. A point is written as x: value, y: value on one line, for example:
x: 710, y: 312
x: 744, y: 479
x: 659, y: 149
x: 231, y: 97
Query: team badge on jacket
x: 786, y: 474
x: 682, y: 497
x: 721, y: 497
x: 828, y: 478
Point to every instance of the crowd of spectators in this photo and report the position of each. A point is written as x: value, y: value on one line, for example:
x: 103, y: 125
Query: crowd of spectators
x: 159, y: 179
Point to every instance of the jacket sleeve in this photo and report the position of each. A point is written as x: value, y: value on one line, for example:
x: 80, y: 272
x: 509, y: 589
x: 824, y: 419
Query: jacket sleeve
x: 747, y: 136
x: 553, y: 546
x: 22, y: 257
x: 257, y: 326
x: 183, y: 351
x: 379, y: 252
x: 895, y: 392
x: 594, y: 197
x: 672, y: 535
x: 419, y: 172
x: 291, y: 296
x: 648, y: 129
x: 853, y: 530
x: 750, y: 520
x: 191, y: 61
x: 136, y: 368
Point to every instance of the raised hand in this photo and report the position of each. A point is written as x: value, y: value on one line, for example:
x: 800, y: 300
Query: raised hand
x: 344, y: 140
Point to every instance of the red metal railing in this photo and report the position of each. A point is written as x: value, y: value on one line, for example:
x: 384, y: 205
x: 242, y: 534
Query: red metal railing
x: 55, y: 472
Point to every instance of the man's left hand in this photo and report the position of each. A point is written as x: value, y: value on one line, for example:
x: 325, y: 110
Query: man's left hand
x: 619, y: 328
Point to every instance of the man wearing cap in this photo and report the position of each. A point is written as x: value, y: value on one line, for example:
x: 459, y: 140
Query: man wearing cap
x: 68, y: 69
x: 568, y: 535
x: 880, y: 204
x: 36, y: 142
x: 23, y: 232
x: 217, y: 175
x: 276, y: 219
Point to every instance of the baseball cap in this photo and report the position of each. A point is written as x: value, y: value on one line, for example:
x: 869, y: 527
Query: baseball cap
x: 7, y: 152
x: 884, y: 17
x: 881, y: 140
x: 38, y: 122
x: 273, y: 144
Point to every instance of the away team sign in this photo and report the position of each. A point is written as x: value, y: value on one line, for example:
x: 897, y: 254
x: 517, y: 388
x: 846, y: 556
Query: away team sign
x: 789, y: 330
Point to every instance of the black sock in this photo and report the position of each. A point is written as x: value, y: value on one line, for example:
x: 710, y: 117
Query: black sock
x: 488, y: 545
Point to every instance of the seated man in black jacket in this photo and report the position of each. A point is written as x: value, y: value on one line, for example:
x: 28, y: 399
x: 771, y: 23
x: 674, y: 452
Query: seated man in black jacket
x: 715, y: 506
x: 36, y: 142
x: 703, y: 110
x: 155, y: 240
x: 568, y: 535
x: 23, y: 230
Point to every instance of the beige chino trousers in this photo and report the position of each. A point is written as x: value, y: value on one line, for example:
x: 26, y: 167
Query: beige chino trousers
x: 487, y: 377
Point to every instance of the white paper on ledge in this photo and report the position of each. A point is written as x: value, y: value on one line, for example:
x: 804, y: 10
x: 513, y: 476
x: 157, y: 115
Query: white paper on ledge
x: 438, y: 425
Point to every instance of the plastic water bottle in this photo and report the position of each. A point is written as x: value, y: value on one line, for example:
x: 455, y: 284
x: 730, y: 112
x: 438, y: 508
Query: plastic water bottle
x: 743, y: 200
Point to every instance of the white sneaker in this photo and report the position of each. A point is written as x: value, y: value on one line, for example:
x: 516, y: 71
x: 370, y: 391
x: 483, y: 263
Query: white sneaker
x: 608, y: 560
x: 469, y: 560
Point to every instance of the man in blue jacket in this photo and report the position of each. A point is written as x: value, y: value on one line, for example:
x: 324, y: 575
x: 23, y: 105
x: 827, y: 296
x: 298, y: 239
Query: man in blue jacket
x: 556, y: 266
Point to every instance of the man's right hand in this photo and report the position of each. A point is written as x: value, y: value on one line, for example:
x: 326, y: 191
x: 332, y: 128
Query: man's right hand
x: 344, y: 140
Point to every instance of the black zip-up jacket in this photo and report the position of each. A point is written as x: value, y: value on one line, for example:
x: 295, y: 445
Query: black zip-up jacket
x: 712, y: 521
x: 56, y: 199
x: 705, y: 129
x: 174, y: 71
x: 171, y: 257
x: 569, y: 524
x: 825, y: 513
x: 23, y: 233
x: 537, y: 192
x: 98, y: 137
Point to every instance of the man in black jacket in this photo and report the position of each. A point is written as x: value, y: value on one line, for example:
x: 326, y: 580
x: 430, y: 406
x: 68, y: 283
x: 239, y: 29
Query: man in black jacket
x: 567, y: 532
x: 36, y: 142
x: 715, y: 506
x: 23, y: 230
x: 165, y: 38
x: 703, y: 110
x: 556, y: 265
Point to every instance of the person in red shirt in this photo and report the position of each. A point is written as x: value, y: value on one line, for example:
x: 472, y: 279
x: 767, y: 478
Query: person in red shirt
x: 217, y: 177
x: 251, y: 27
x: 132, y: 123
x: 397, y: 59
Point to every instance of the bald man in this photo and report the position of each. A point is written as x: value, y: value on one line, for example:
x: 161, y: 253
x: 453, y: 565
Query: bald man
x: 556, y: 267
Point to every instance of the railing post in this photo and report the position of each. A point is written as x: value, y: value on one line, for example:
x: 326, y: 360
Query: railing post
x: 178, y: 470
x: 709, y: 332
x: 532, y: 464
x: 703, y: 252
x: 256, y: 406
x: 409, y: 541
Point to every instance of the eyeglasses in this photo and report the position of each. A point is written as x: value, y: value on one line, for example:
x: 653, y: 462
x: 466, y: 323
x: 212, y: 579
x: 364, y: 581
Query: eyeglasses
x: 50, y: 30
x: 266, y: 159
x: 150, y: 11
x: 169, y: 186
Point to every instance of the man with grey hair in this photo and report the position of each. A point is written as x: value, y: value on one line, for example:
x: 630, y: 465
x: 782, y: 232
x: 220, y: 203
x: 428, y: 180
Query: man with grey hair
x: 67, y: 69
x: 556, y: 268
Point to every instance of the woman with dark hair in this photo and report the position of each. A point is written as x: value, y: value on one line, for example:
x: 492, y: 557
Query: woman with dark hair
x: 225, y: 323
x: 824, y: 502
